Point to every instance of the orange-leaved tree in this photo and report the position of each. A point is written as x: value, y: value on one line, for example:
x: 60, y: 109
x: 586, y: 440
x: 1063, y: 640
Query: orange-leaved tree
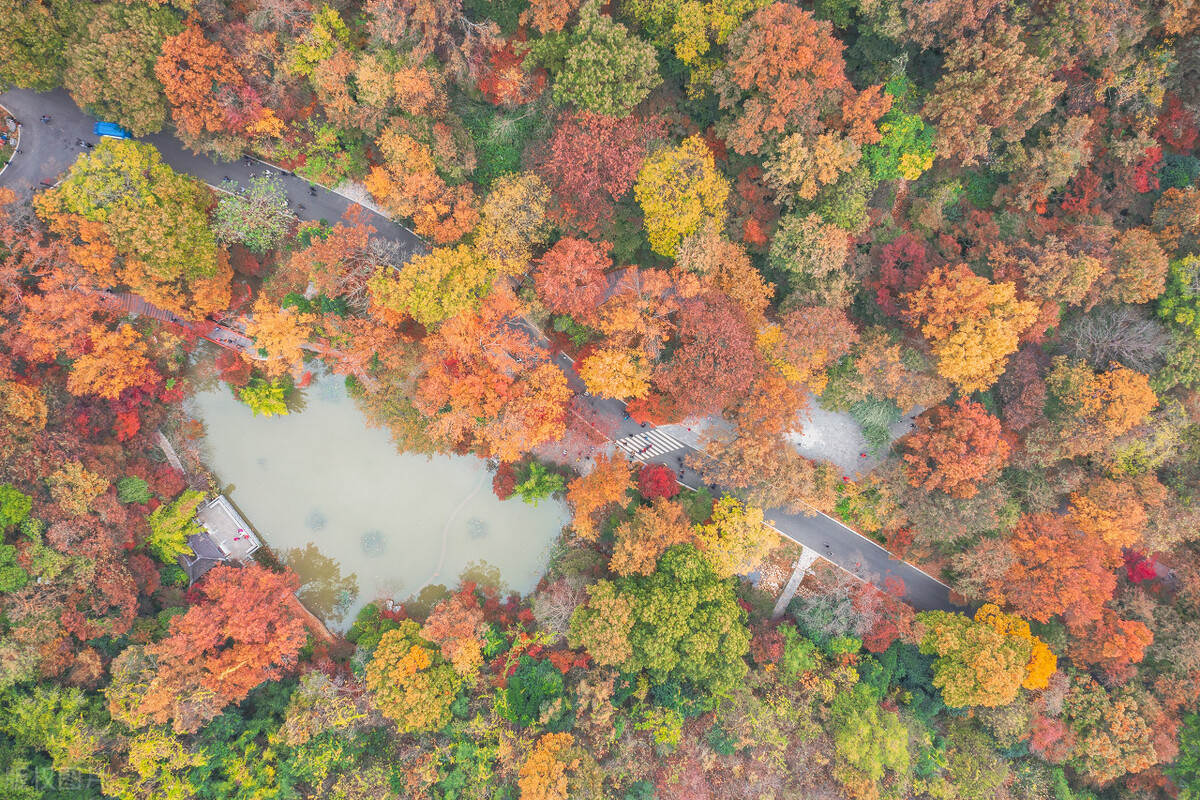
x: 972, y: 324
x: 278, y: 334
x: 607, y: 484
x: 245, y: 630
x: 955, y: 448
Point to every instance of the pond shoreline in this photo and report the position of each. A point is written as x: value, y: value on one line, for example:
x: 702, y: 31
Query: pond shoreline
x: 331, y: 498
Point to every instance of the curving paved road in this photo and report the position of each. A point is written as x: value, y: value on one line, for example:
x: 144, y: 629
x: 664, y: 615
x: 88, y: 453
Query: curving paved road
x: 48, y: 150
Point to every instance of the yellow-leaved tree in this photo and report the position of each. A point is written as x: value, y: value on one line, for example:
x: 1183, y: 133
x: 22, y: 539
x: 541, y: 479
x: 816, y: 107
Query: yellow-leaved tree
x: 618, y: 372
x: 679, y: 188
x: 736, y: 539
x: 435, y: 286
x: 514, y: 220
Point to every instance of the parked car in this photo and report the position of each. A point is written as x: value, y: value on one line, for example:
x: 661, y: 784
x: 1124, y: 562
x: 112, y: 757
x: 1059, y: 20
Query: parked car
x: 111, y: 129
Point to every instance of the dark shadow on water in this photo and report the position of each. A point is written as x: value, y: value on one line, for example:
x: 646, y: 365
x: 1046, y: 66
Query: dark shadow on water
x: 324, y: 590
x: 484, y: 575
x: 296, y: 401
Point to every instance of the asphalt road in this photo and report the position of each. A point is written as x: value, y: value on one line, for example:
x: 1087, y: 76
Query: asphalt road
x: 823, y: 534
x: 48, y: 150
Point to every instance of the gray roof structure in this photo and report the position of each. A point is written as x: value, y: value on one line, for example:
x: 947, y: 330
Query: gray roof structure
x: 225, y: 537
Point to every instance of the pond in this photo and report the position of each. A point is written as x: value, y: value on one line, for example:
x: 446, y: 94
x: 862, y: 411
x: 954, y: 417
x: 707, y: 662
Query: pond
x: 358, y: 521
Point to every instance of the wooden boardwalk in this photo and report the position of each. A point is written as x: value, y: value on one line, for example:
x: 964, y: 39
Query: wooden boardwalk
x: 134, y: 304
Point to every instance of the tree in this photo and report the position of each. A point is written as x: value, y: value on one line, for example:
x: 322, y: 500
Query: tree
x: 1176, y: 220
x: 1140, y: 267
x: 647, y: 535
x: 972, y: 323
x: 433, y: 287
x: 1042, y: 663
x: 619, y: 372
x: 679, y: 189
x: 784, y: 71
x: 657, y: 480
x: 279, y: 334
x: 265, y: 398
x: 456, y: 626
x: 607, y: 483
x: 990, y: 86
x: 955, y: 448
x: 590, y: 161
x: 805, y: 342
x: 930, y: 24
x: 1111, y: 645
x: 569, y: 278
x: 1111, y: 511
x: 432, y: 27
x: 539, y: 484
x: 171, y: 525
x: 122, y: 197
x: 555, y: 769
x: 74, y: 488
x: 258, y: 218
x: 484, y: 380
x: 1051, y: 272
x: 802, y: 166
x: 681, y: 624
x: 603, y: 625
x: 977, y: 665
x: 736, y: 539
x: 412, y: 684
x: 905, y: 148
x: 724, y: 265
x: 115, y: 361
x: 1057, y: 571
x: 1087, y: 410
x: 514, y: 222
x: 1180, y: 303
x: 549, y: 16
x: 716, y: 358
x: 409, y: 185
x: 1111, y: 731
x: 245, y: 629
x: 196, y: 75
x: 638, y: 310
x: 869, y: 742
x: 110, y: 63
x: 341, y: 260
x: 32, y: 52
x: 813, y: 253
x: 605, y: 69
x: 14, y: 507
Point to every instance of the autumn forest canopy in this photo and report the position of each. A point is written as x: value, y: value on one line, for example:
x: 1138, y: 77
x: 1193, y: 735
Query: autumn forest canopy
x: 982, y: 216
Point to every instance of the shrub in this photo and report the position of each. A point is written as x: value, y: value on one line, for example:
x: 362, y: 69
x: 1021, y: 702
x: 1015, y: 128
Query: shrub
x: 132, y: 489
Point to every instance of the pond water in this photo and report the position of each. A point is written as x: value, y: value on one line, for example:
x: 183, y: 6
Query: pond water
x: 358, y: 521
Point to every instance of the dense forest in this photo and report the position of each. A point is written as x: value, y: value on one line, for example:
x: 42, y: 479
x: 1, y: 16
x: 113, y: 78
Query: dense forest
x: 981, y: 212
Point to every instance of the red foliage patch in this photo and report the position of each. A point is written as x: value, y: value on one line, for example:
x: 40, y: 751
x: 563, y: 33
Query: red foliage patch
x: 1145, y: 174
x: 1138, y: 567
x: 127, y: 425
x: 1176, y: 126
x: 505, y: 81
x: 766, y: 644
x: 656, y: 480
x: 505, y: 480
x: 235, y: 370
